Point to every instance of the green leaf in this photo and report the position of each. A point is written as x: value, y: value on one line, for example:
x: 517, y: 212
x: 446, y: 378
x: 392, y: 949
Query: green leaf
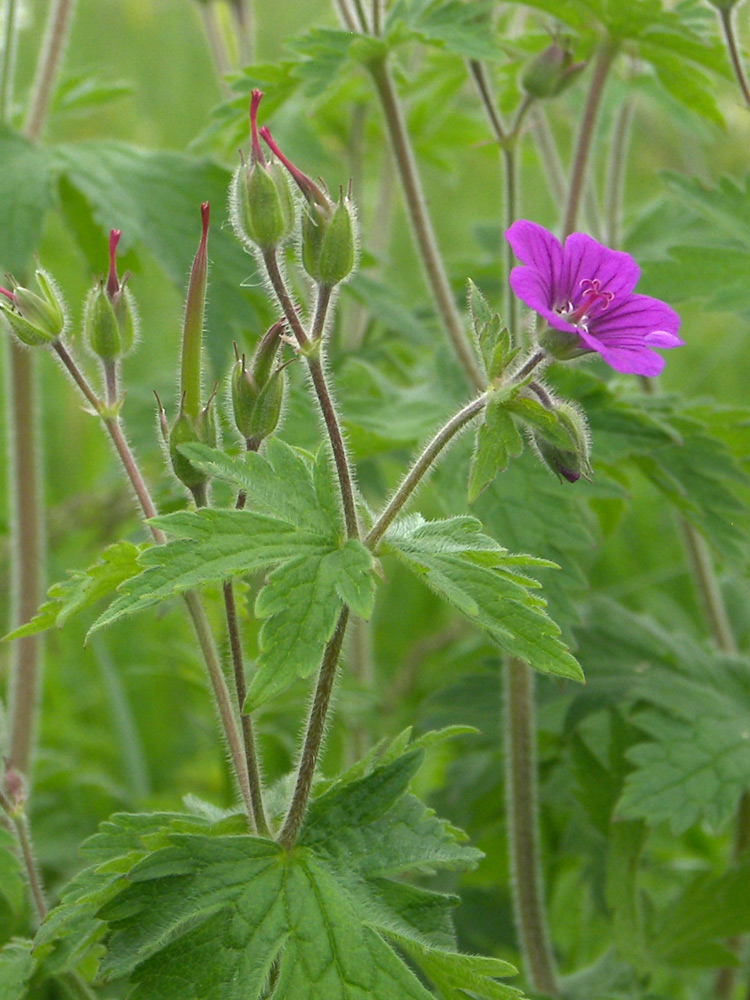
x: 497, y: 442
x: 454, y: 974
x: 13, y: 885
x: 689, y: 931
x: 85, y: 91
x: 533, y: 413
x: 461, y: 27
x: 25, y: 194
x: 492, y: 337
x: 16, y: 966
x: 83, y: 588
x: 478, y: 577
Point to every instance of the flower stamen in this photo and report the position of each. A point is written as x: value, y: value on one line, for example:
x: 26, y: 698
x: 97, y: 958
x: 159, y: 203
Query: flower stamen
x: 592, y: 295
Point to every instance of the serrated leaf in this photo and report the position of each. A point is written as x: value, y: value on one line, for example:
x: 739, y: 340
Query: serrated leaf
x: 493, y: 339
x: 454, y: 974
x: 83, y: 588
x: 688, y: 932
x: 497, y: 441
x: 461, y: 27
x: 494, y: 597
x: 16, y: 966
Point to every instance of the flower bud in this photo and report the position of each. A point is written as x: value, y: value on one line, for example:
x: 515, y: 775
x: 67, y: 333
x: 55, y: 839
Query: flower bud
x: 258, y: 394
x: 110, y: 319
x: 189, y: 430
x: 572, y: 462
x: 337, y: 249
x: 550, y: 72
x: 35, y: 319
x: 261, y: 204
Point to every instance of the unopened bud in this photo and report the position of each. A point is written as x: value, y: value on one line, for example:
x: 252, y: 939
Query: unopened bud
x: 34, y: 319
x: 261, y: 204
x: 550, y: 72
x: 567, y: 462
x: 337, y: 249
x: 188, y: 430
x: 258, y: 394
x: 110, y: 318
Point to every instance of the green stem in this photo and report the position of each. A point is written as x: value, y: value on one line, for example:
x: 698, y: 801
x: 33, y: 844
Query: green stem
x: 242, y: 11
x: 511, y: 209
x: 314, y: 736
x: 21, y: 829
x: 421, y: 223
x: 9, y: 59
x: 217, y: 46
x: 55, y: 36
x: 346, y: 16
x: 725, y: 16
x: 616, y: 170
x: 422, y: 466
x: 523, y: 827
x: 605, y: 57
x: 705, y: 577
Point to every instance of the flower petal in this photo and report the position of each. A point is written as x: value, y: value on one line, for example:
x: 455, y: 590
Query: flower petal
x: 537, y: 247
x: 635, y: 318
x: 584, y: 258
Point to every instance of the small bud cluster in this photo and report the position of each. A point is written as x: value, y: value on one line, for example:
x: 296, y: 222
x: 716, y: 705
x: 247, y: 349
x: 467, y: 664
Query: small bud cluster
x: 572, y: 461
x: 258, y: 393
x: 34, y: 319
x: 263, y: 214
x: 551, y: 72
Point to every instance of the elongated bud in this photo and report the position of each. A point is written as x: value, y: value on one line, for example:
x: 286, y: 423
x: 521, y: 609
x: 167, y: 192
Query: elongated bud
x: 110, y: 317
x: 261, y: 204
x: 550, y: 72
x: 337, y: 250
x: 567, y: 463
x: 35, y: 319
x: 192, y: 330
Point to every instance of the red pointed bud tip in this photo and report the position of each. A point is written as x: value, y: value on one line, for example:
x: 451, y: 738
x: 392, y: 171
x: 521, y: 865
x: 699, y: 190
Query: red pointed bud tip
x: 571, y: 461
x: 313, y: 194
x: 256, y: 154
x: 35, y: 319
x: 113, y: 282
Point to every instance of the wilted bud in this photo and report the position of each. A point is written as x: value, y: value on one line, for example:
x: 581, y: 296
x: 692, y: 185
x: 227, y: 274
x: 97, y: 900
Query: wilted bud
x: 569, y: 462
x: 261, y: 204
x: 35, y: 319
x: 110, y: 319
x: 258, y: 394
x: 189, y: 430
x: 550, y: 72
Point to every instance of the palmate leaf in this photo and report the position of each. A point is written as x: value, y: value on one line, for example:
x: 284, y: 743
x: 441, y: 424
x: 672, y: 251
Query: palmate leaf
x: 25, y: 193
x: 190, y: 911
x: 482, y: 580
x: 461, y: 27
x: 497, y: 441
x: 317, y: 569
x: 16, y: 966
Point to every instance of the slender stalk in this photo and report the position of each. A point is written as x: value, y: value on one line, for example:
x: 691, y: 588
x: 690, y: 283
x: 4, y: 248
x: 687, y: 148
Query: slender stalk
x: 21, y: 829
x: 314, y: 736
x: 479, y: 75
x: 346, y: 16
x: 705, y: 577
x: 421, y: 466
x: 725, y: 16
x: 523, y: 831
x: 242, y: 10
x: 616, y: 170
x: 320, y: 384
x: 511, y: 209
x: 361, y: 16
x: 197, y: 613
x: 248, y: 734
x: 216, y: 45
x: 7, y: 69
x: 377, y: 27
x: 27, y: 565
x: 56, y: 35
x: 545, y: 143
x: 422, y: 224
x: 605, y: 57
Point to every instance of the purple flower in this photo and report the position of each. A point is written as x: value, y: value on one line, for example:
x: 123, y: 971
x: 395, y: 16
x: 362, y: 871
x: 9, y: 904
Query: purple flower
x: 586, y: 290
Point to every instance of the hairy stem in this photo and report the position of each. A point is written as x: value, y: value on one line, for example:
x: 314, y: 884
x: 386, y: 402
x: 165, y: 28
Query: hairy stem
x: 320, y: 384
x: 20, y: 827
x: 422, y: 466
x: 727, y: 25
x: 197, y: 613
x: 315, y: 732
x: 216, y: 45
x: 55, y: 36
x: 242, y: 11
x: 7, y: 69
x: 421, y: 222
x: 605, y: 57
x: 523, y: 827
x: 248, y: 734
x: 552, y: 167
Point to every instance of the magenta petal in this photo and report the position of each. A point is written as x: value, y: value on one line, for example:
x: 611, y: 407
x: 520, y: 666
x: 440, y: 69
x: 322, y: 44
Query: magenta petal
x: 530, y: 287
x: 537, y: 247
x: 660, y: 338
x: 633, y: 362
x: 585, y: 259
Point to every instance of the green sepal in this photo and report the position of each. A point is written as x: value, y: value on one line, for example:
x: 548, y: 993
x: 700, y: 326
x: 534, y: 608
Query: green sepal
x: 314, y: 223
x: 100, y: 328
x: 497, y: 441
x: 264, y: 418
x: 185, y: 430
x: 337, y: 254
x: 263, y: 210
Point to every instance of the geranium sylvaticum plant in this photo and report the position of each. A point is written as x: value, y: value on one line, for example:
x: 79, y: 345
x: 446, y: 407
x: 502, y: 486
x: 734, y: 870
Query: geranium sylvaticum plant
x: 380, y: 520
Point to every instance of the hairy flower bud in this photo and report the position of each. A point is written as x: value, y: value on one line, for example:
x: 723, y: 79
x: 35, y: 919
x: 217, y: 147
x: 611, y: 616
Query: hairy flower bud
x: 258, y: 394
x: 550, y: 72
x: 262, y: 208
x: 189, y: 430
x: 110, y: 318
x: 336, y: 259
x: 567, y: 462
x: 34, y: 319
